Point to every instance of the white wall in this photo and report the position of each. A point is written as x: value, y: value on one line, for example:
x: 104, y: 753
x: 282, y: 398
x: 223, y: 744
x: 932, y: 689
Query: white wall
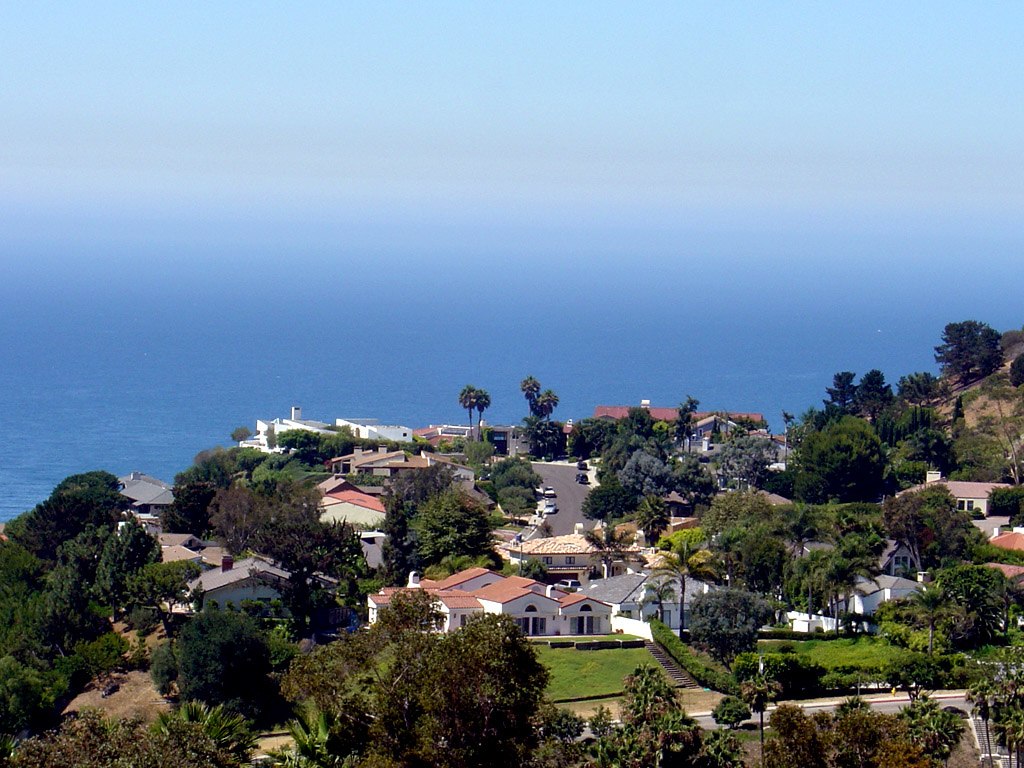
x: 632, y: 627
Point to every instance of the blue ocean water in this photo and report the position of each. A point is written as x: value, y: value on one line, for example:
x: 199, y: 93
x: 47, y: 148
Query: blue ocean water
x: 136, y: 352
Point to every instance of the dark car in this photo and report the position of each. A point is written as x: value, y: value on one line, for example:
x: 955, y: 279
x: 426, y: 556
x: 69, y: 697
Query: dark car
x: 581, y: 465
x: 582, y: 478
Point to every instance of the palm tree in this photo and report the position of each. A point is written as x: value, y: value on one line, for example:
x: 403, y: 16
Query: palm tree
x: 930, y: 605
x: 610, y: 545
x: 721, y: 749
x: 228, y: 730
x: 313, y: 747
x: 658, y: 593
x: 652, y: 518
x: 530, y: 388
x: 483, y: 402
x: 757, y: 693
x: 840, y: 577
x: 678, y: 566
x: 981, y: 694
x: 937, y: 731
x: 546, y: 403
x: 467, y: 399
x: 801, y: 524
x: 1011, y: 726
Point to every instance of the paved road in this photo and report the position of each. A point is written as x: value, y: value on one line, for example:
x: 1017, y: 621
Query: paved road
x: 880, y: 703
x: 570, y: 496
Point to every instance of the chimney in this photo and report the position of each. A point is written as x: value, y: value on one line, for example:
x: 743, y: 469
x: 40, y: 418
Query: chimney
x: 414, y: 580
x: 578, y: 529
x: 550, y: 590
x: 227, y: 563
x: 645, y: 404
x: 296, y: 413
x: 932, y: 476
x: 925, y: 577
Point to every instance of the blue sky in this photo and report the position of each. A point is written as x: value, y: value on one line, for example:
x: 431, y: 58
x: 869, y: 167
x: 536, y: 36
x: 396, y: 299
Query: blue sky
x: 513, y: 112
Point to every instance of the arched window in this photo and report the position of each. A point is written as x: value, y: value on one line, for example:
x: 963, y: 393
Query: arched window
x: 531, y: 608
x: 582, y: 608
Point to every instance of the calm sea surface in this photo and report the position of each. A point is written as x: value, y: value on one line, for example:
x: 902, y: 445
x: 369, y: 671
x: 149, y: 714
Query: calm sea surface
x: 137, y: 356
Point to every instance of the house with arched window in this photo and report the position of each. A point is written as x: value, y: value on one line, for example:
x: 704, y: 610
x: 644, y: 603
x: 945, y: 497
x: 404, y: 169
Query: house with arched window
x: 538, y: 609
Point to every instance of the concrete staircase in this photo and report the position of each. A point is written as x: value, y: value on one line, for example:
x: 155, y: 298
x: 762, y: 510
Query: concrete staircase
x: 990, y: 748
x: 678, y: 676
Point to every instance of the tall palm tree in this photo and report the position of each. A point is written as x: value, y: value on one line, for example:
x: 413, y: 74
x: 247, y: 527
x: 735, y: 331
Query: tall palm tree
x: 467, y: 399
x: 530, y: 388
x: 839, y: 576
x: 610, y: 545
x: 658, y: 592
x: 981, y: 694
x: 1011, y: 726
x: 228, y: 730
x: 483, y: 402
x: 681, y: 565
x: 801, y: 524
x: 546, y: 403
x: 652, y: 518
x: 757, y: 693
x: 930, y: 605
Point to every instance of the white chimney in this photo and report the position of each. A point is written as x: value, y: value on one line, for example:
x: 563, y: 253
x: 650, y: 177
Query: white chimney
x: 550, y: 590
x: 646, y: 404
x: 578, y: 529
x: 296, y: 413
x: 932, y: 476
x: 924, y: 577
x: 414, y: 580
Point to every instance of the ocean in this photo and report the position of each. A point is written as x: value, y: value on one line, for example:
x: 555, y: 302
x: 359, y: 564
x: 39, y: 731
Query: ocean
x: 136, y: 352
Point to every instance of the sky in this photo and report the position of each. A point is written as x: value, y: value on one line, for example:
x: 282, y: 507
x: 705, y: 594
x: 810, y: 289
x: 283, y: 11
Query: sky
x: 439, y: 114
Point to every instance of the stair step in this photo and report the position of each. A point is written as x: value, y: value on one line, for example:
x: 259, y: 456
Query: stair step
x: 679, y: 676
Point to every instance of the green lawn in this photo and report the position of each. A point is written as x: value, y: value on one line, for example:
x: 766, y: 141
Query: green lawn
x: 868, y: 652
x: 575, y: 674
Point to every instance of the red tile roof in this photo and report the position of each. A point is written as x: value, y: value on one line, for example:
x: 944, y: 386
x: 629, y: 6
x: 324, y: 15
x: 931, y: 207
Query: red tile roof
x: 1012, y: 540
x: 1011, y: 572
x: 455, y: 579
x: 358, y: 498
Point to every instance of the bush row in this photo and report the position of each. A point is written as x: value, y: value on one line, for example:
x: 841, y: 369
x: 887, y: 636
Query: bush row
x: 703, y: 673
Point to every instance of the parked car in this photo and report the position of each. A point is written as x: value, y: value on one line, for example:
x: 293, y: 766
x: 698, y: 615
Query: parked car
x: 550, y: 507
x: 581, y: 465
x: 571, y: 585
x: 549, y: 492
x: 582, y: 478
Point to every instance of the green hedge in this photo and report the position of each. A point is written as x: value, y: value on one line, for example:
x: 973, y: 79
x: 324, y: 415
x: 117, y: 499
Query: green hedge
x: 704, y: 674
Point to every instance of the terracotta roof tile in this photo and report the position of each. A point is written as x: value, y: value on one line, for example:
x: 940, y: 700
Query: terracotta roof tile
x: 1012, y: 540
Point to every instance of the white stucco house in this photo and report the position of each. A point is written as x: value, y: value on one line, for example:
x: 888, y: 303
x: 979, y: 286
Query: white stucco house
x: 538, y: 609
x: 372, y: 429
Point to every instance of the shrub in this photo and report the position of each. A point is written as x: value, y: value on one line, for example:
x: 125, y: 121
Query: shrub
x: 1007, y: 501
x: 795, y: 674
x: 103, y: 655
x: 163, y: 668
x: 730, y: 712
x: 143, y: 620
x: 703, y: 673
x: 1017, y: 371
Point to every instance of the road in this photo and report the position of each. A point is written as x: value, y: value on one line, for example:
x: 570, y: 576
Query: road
x: 879, y: 703
x: 570, y: 496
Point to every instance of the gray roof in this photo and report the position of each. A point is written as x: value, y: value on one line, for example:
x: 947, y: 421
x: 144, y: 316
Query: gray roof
x: 629, y: 587
x: 870, y: 586
x: 240, y: 571
x: 144, y: 489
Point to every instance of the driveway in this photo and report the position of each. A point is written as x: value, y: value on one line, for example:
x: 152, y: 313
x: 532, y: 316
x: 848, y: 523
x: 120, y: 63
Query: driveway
x: 570, y: 495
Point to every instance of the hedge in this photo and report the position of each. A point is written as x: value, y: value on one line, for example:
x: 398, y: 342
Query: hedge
x: 704, y: 674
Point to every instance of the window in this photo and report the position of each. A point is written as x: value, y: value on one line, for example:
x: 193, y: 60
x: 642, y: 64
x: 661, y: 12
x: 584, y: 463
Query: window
x: 570, y: 560
x: 463, y: 619
x: 548, y: 560
x: 970, y: 504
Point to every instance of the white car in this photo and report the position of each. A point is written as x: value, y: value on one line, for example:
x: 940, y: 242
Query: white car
x: 550, y: 507
x: 549, y: 492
